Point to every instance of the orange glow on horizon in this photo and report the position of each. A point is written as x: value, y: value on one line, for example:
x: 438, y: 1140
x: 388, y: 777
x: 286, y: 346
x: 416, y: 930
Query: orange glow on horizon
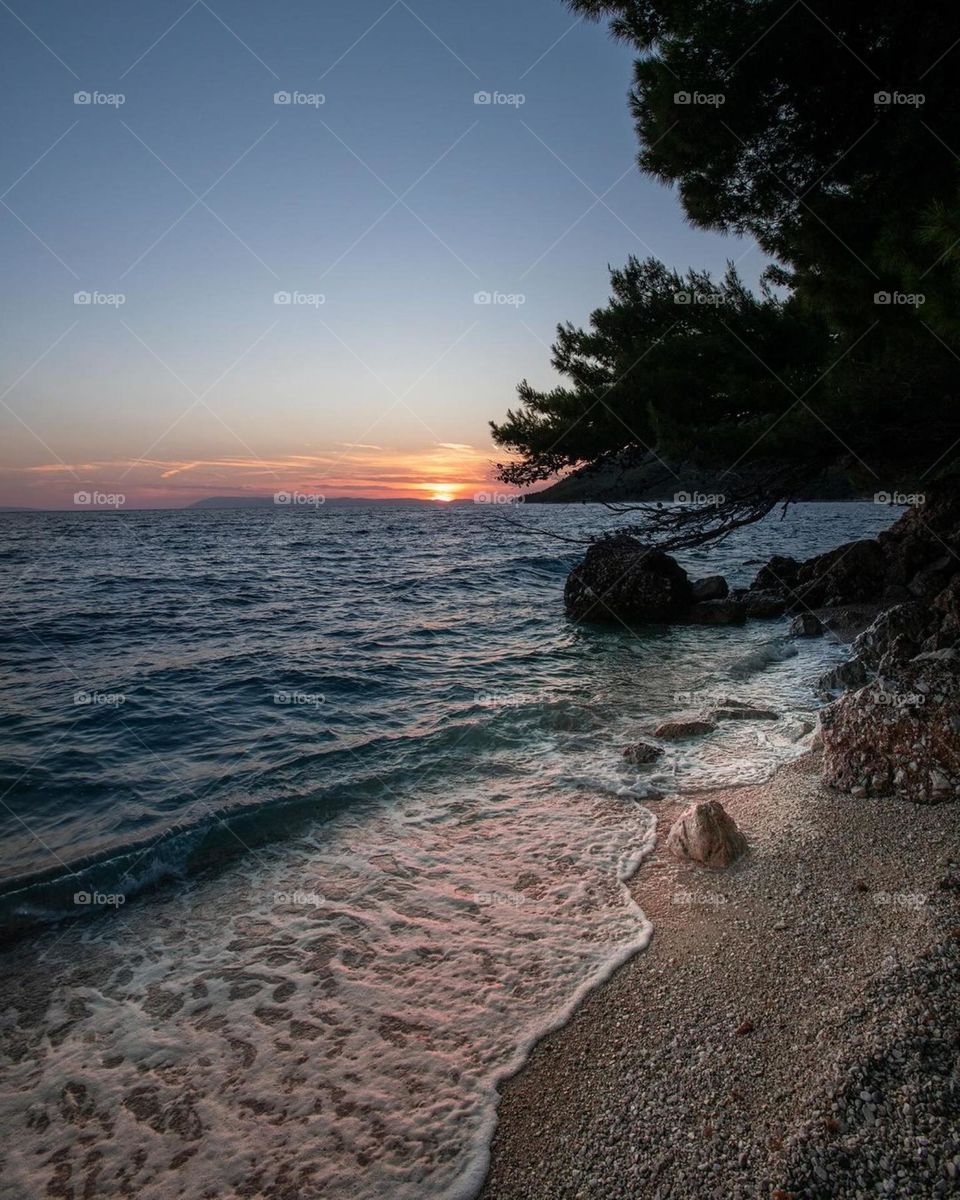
x: 441, y: 472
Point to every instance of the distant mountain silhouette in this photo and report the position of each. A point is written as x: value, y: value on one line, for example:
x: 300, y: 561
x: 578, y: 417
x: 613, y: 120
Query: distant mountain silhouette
x: 650, y: 478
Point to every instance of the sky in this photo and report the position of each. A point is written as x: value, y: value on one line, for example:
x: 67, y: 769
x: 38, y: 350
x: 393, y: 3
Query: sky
x: 302, y: 247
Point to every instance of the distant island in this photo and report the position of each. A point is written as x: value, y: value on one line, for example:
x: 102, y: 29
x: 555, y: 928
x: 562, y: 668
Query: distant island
x: 228, y: 502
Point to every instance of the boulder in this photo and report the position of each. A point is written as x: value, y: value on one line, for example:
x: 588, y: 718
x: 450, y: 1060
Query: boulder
x: 764, y: 604
x: 620, y: 579
x: 685, y: 726
x: 924, y: 534
x: 714, y: 587
x: 779, y: 575
x: 806, y: 626
x: 716, y: 612
x: 705, y: 833
x: 852, y: 573
x: 898, y: 735
x: 642, y: 753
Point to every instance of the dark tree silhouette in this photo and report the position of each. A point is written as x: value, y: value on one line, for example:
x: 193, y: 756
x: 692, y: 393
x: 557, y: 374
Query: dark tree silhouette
x: 827, y: 132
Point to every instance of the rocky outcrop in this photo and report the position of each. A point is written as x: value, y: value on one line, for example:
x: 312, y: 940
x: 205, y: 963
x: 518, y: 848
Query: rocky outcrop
x: 705, y: 833
x: 806, y: 625
x: 900, y: 735
x: 779, y: 574
x: 714, y: 587
x: 685, y: 726
x: 620, y: 579
x: 764, y: 604
x: 856, y: 571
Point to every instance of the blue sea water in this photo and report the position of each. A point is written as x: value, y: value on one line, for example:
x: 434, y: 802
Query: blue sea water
x: 333, y: 804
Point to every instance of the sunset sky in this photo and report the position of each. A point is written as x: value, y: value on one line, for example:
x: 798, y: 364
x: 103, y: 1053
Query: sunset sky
x: 187, y: 204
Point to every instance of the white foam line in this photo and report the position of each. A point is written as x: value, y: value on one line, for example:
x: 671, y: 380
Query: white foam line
x: 469, y: 1185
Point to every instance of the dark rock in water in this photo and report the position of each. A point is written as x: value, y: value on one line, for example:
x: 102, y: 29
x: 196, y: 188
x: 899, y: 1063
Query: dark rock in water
x: 733, y: 711
x: 708, y: 835
x: 714, y: 587
x: 620, y: 579
x: 642, y: 753
x: 779, y: 574
x: 717, y: 612
x: 764, y: 604
x: 849, y: 674
x: 851, y: 573
x: 899, y: 736
x: 677, y: 728
x: 807, y: 626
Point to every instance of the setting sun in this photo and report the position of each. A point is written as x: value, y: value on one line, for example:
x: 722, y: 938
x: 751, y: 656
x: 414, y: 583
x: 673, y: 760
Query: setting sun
x: 444, y: 496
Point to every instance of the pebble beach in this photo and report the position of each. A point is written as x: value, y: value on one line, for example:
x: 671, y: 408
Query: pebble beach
x: 791, y: 1031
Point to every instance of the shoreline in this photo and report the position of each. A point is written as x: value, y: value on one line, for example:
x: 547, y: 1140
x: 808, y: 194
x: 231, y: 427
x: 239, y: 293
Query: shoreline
x: 705, y: 1065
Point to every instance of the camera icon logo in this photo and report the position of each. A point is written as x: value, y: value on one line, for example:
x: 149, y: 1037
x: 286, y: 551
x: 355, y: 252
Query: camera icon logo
x: 82, y: 897
x: 681, y: 297
x: 483, y: 97
x: 81, y: 497
x: 882, y: 98
x: 482, y: 297
x: 82, y: 297
x: 282, y: 97
x: 681, y: 97
x: 281, y: 297
x: 81, y: 97
x: 282, y: 497
x: 881, y: 297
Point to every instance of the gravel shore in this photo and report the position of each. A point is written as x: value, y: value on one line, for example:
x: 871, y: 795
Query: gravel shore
x: 792, y: 1030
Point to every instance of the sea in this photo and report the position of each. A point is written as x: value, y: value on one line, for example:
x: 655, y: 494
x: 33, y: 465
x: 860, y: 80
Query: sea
x: 315, y: 821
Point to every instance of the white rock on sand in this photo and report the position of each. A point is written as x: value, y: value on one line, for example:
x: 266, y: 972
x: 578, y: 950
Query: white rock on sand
x: 705, y: 833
